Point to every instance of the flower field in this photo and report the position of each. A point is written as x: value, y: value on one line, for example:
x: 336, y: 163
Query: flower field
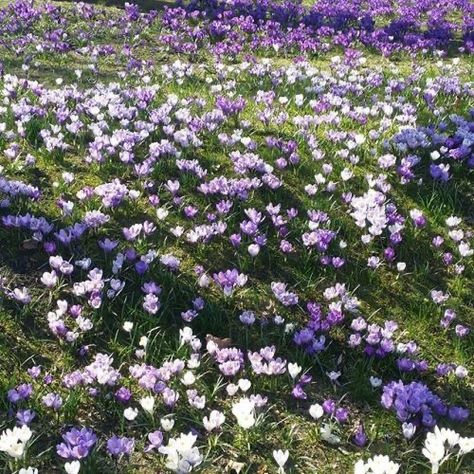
x: 237, y: 237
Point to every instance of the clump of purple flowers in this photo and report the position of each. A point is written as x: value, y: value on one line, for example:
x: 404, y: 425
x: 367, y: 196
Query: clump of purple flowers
x: 230, y: 360
x: 77, y: 443
x: 285, y: 297
x: 377, y: 340
x: 229, y: 280
x: 120, y: 445
x: 416, y: 403
x: 265, y: 362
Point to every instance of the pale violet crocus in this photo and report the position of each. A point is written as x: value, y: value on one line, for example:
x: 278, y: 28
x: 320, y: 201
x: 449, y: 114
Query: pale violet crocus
x: 232, y: 389
x: 333, y: 375
x: 375, y: 381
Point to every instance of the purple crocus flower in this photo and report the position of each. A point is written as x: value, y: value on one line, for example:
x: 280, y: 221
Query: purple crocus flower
x: 329, y: 406
x: 156, y: 440
x: 228, y: 280
x: 107, y: 245
x: 123, y: 395
x: 298, y: 392
x: 360, y: 437
x: 458, y: 414
x: 52, y: 400
x: 119, y: 446
x: 25, y: 417
x: 77, y: 443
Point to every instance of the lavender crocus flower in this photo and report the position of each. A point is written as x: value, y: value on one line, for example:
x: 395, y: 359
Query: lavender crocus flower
x: 119, y: 446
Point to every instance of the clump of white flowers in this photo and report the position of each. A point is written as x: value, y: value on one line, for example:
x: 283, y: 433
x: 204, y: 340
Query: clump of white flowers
x: 441, y: 444
x: 28, y: 470
x: 377, y: 465
x: 182, y: 455
x: 14, y: 441
x: 244, y: 411
x: 214, y: 421
x: 369, y: 211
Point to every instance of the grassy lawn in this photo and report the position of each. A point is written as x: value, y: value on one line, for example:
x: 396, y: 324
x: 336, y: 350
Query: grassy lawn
x: 318, y: 127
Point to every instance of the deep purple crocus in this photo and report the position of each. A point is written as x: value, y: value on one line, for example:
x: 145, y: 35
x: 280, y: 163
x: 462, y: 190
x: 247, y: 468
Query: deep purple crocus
x: 360, y: 437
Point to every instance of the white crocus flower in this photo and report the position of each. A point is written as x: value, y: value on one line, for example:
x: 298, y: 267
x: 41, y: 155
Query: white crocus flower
x: 280, y: 458
x: 130, y: 413
x: 214, y: 421
x: 147, y: 403
x: 294, y: 370
x: 188, y: 378
x: 328, y: 436
x: 244, y: 384
x: 409, y: 430
x: 316, y: 411
x: 72, y: 467
x: 127, y: 326
x: 167, y: 423
x: 434, y: 450
x: 244, y: 411
x: 28, y: 470
x: 466, y: 445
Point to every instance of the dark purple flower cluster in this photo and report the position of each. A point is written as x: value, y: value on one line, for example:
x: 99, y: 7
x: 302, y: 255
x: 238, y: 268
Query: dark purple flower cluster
x: 312, y: 337
x: 227, y: 26
x: 416, y: 403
